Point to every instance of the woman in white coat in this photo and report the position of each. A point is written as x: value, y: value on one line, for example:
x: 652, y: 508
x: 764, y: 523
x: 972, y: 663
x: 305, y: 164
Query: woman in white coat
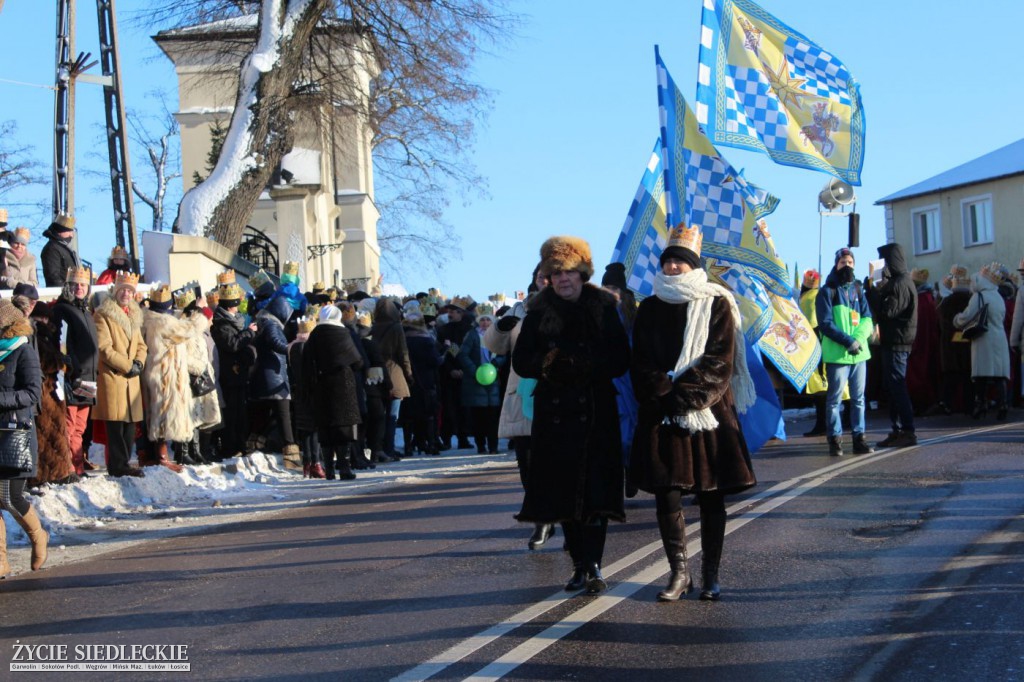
x: 990, y: 352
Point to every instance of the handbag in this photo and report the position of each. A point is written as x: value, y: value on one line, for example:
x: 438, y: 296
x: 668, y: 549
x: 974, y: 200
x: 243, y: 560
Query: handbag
x: 975, y: 326
x: 16, y: 447
x: 201, y: 384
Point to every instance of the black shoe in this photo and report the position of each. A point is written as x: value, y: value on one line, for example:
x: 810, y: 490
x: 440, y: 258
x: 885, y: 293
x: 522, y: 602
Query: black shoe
x: 541, y: 533
x: 889, y: 440
x: 905, y: 439
x: 346, y: 475
x: 835, y: 446
x: 861, y: 446
x: 464, y: 445
x: 380, y: 458
x: 578, y: 580
x: 595, y: 581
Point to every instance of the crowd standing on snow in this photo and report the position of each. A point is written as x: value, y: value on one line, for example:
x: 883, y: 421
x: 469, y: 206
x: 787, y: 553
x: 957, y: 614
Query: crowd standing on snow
x: 597, y: 396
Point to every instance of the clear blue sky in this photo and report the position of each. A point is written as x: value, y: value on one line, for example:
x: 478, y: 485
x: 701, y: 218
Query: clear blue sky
x: 575, y: 118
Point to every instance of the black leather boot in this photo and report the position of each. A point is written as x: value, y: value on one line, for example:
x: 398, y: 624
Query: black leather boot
x: 712, y: 537
x: 595, y: 581
x: 673, y: 536
x: 835, y: 448
x: 359, y: 460
x: 579, y: 578
x: 541, y: 533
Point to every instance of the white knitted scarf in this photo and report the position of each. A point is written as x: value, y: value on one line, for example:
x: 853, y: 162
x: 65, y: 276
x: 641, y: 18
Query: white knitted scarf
x: 694, y: 288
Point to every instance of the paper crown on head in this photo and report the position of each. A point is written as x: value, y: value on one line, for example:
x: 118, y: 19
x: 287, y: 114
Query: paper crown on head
x: 919, y: 275
x: 461, y: 302
x: 212, y: 297
x: 123, y: 278
x: 22, y: 235
x: 306, y: 324
x: 994, y: 272
x: 3, y: 216
x: 118, y: 253
x: 319, y: 287
x: 290, y: 268
x: 812, y: 279
x: 428, y: 309
x: 79, y: 275
x: 161, y: 294
x: 958, y: 276
x: 226, y: 277
x: 484, y: 309
x: 64, y: 222
x: 686, y: 237
x: 258, y: 279
x: 184, y: 297
x: 434, y: 291
x: 231, y: 292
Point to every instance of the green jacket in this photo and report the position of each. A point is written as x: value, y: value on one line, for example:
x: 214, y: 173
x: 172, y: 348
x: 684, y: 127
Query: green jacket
x: 837, y: 305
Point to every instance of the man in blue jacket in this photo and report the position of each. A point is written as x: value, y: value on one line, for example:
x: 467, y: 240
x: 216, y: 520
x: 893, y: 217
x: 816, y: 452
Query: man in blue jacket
x: 844, y: 320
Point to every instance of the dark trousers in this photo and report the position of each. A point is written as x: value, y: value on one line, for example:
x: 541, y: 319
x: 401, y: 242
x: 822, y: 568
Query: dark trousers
x: 278, y: 410
x: 311, y: 450
x: 485, y: 428
x: 375, y: 423
x: 522, y: 447
x: 585, y: 540
x: 120, y: 436
x: 894, y: 376
x: 234, y: 421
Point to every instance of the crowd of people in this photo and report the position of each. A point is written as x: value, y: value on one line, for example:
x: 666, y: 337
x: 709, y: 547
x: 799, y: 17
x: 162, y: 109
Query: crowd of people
x: 599, y: 397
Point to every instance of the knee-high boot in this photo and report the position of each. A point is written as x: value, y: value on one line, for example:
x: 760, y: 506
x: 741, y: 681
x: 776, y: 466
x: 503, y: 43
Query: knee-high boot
x: 345, y: 472
x: 712, y: 537
x: 39, y: 537
x: 5, y: 567
x: 594, y: 535
x: 573, y: 539
x: 673, y: 536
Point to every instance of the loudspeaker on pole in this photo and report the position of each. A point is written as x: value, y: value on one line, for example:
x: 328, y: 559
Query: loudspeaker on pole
x: 854, y: 230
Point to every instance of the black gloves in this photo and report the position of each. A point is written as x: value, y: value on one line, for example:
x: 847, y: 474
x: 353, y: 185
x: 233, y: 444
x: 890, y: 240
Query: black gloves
x: 136, y: 369
x: 854, y: 348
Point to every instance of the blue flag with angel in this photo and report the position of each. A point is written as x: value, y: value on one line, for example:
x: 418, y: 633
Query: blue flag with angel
x: 764, y: 86
x: 702, y: 189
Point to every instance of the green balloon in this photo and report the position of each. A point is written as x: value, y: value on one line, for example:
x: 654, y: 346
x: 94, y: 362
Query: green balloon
x: 486, y: 374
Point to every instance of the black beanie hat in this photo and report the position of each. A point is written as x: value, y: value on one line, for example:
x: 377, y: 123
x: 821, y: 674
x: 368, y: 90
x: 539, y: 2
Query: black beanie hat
x: 614, y: 275
x: 681, y: 253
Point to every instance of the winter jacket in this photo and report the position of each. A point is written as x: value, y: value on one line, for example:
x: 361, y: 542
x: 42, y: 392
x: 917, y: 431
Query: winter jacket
x: 51, y: 423
x: 990, y: 352
x: 426, y: 362
x: 18, y: 271
x: 843, y: 317
x: 895, y: 301
x: 82, y: 345
x: 270, y: 377
x: 390, y: 337
x: 20, y: 391
x: 573, y: 349
x: 512, y: 423
x: 167, y: 394
x: 302, y: 409
x: 119, y: 340
x: 665, y: 455
x: 205, y: 408
x: 235, y: 350
x: 954, y: 356
x: 329, y: 361
x: 470, y: 357
x: 57, y: 257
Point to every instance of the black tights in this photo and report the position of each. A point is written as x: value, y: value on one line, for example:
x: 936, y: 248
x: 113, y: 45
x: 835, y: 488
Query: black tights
x: 670, y: 500
x: 585, y: 540
x: 12, y: 497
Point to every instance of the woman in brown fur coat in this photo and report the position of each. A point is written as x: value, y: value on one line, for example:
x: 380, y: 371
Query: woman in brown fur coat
x: 690, y: 377
x: 55, y: 464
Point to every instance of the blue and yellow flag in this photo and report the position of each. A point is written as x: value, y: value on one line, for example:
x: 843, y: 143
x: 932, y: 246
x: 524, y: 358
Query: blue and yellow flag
x: 702, y: 189
x: 762, y: 85
x: 644, y: 235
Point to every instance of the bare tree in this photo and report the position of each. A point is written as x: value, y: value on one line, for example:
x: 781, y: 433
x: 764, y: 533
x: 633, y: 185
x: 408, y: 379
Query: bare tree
x: 422, y: 105
x: 154, y: 134
x: 18, y: 167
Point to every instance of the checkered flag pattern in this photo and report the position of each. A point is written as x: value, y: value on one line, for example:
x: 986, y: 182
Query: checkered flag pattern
x: 751, y: 108
x: 743, y: 286
x: 826, y: 76
x: 646, y: 265
x: 711, y: 201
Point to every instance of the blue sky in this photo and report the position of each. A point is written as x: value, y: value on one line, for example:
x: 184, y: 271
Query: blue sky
x: 575, y: 117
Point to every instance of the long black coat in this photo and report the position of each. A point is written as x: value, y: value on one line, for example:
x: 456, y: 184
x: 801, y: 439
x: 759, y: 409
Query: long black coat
x: 57, y: 257
x: 574, y: 350
x: 894, y: 302
x: 329, y: 362
x: 668, y: 456
x: 234, y: 343
x: 21, y: 382
x: 82, y: 345
x: 425, y: 361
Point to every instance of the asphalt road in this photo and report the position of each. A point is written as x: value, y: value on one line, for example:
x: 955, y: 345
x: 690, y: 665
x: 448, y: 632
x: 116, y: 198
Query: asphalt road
x: 903, y: 565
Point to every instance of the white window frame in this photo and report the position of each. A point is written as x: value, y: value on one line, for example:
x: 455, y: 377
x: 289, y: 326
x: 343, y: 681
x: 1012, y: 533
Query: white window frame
x: 936, y: 229
x: 965, y: 204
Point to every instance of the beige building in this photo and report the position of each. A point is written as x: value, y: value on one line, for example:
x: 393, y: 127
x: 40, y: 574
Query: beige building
x: 318, y: 209
x: 971, y: 215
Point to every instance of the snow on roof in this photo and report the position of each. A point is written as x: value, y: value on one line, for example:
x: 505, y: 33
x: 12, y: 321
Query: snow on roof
x: 1003, y: 162
x: 246, y: 22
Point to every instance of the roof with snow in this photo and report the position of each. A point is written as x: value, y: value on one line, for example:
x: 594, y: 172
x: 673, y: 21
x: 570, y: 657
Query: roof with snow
x: 1001, y: 163
x: 245, y: 24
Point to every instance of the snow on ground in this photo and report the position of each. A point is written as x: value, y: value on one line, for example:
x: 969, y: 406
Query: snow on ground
x: 101, y: 513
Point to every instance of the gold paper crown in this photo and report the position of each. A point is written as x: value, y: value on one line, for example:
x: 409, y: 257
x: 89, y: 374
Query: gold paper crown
x: 319, y: 287
x: 332, y: 295
x: 79, y: 275
x: 22, y: 235
x: 231, y: 292
x: 306, y: 324
x: 428, y: 309
x: 686, y: 237
x: 258, y: 279
x: 290, y: 268
x: 226, y: 277
x: 484, y: 309
x: 3, y: 216
x: 958, y: 271
x: 313, y: 311
x: 212, y: 297
x: 118, y: 252
x: 461, y: 302
x: 126, y: 279
x: 184, y: 297
x: 435, y: 292
x: 161, y: 294
x: 919, y: 275
x: 994, y: 272
x: 65, y: 221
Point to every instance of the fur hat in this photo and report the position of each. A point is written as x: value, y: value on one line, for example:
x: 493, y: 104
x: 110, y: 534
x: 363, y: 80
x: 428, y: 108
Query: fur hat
x: 919, y: 275
x: 566, y: 253
x: 9, y: 313
x: 812, y: 280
